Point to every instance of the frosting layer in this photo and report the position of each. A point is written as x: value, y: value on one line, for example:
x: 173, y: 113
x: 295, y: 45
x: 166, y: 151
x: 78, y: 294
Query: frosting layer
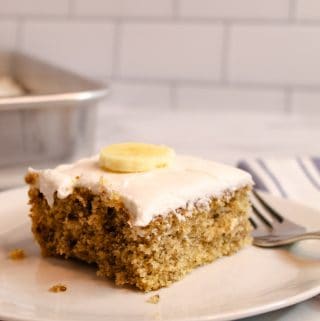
x: 188, y: 182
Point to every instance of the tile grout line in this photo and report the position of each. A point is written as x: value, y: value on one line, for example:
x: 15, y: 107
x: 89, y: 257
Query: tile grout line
x: 218, y: 84
x: 167, y: 19
x: 71, y: 17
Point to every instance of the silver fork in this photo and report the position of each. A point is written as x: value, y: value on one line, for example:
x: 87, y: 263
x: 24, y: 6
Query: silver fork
x: 274, y: 230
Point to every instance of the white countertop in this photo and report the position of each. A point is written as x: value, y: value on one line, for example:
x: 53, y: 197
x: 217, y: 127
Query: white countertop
x: 222, y: 136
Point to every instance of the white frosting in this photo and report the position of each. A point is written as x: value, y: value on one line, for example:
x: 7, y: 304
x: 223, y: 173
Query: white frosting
x: 189, y: 182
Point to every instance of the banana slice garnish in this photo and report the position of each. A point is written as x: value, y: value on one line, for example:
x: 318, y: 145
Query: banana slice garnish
x: 135, y: 157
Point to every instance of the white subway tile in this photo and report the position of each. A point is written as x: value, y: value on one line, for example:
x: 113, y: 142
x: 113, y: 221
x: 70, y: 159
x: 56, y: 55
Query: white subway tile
x: 308, y: 9
x: 11, y: 133
x: 306, y: 103
x: 83, y: 47
x: 123, y: 8
x: 7, y: 34
x: 230, y: 99
x: 7, y: 43
x: 275, y: 54
x: 138, y: 96
x: 171, y: 51
x: 238, y: 9
x: 128, y: 101
x: 34, y: 7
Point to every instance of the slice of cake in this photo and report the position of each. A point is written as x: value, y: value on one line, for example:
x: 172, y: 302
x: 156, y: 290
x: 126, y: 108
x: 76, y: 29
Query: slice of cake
x: 144, y: 216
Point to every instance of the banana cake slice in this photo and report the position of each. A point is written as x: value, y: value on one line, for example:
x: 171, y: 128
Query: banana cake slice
x: 143, y: 215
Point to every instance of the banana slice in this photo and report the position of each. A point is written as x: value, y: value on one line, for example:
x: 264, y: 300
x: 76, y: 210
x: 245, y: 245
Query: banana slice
x: 135, y: 157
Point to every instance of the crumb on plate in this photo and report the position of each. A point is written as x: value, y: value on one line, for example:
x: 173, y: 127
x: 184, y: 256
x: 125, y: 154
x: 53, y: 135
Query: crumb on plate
x: 58, y: 288
x: 154, y: 299
x: 17, y: 254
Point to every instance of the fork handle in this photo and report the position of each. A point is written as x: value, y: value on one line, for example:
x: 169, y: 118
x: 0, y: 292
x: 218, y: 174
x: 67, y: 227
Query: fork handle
x: 311, y: 235
x: 274, y: 241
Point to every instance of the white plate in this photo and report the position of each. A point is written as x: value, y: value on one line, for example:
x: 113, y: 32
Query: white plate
x: 251, y: 282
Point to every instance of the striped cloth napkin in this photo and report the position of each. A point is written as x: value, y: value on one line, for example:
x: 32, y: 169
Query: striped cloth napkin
x: 295, y: 178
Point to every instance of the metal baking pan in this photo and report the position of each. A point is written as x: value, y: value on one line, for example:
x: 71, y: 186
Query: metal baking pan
x: 52, y: 123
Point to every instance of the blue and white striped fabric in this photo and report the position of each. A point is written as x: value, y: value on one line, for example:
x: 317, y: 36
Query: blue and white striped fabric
x: 294, y: 178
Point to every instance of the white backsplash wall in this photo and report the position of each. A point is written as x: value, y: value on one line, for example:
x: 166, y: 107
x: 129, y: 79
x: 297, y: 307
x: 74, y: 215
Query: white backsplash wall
x: 217, y: 77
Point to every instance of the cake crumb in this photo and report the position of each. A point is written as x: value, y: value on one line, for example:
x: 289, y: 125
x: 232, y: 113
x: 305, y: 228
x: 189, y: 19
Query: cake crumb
x: 102, y: 181
x: 17, y: 254
x: 58, y: 288
x: 154, y: 299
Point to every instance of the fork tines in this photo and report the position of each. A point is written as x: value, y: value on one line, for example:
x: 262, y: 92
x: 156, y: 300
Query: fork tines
x: 271, y: 228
